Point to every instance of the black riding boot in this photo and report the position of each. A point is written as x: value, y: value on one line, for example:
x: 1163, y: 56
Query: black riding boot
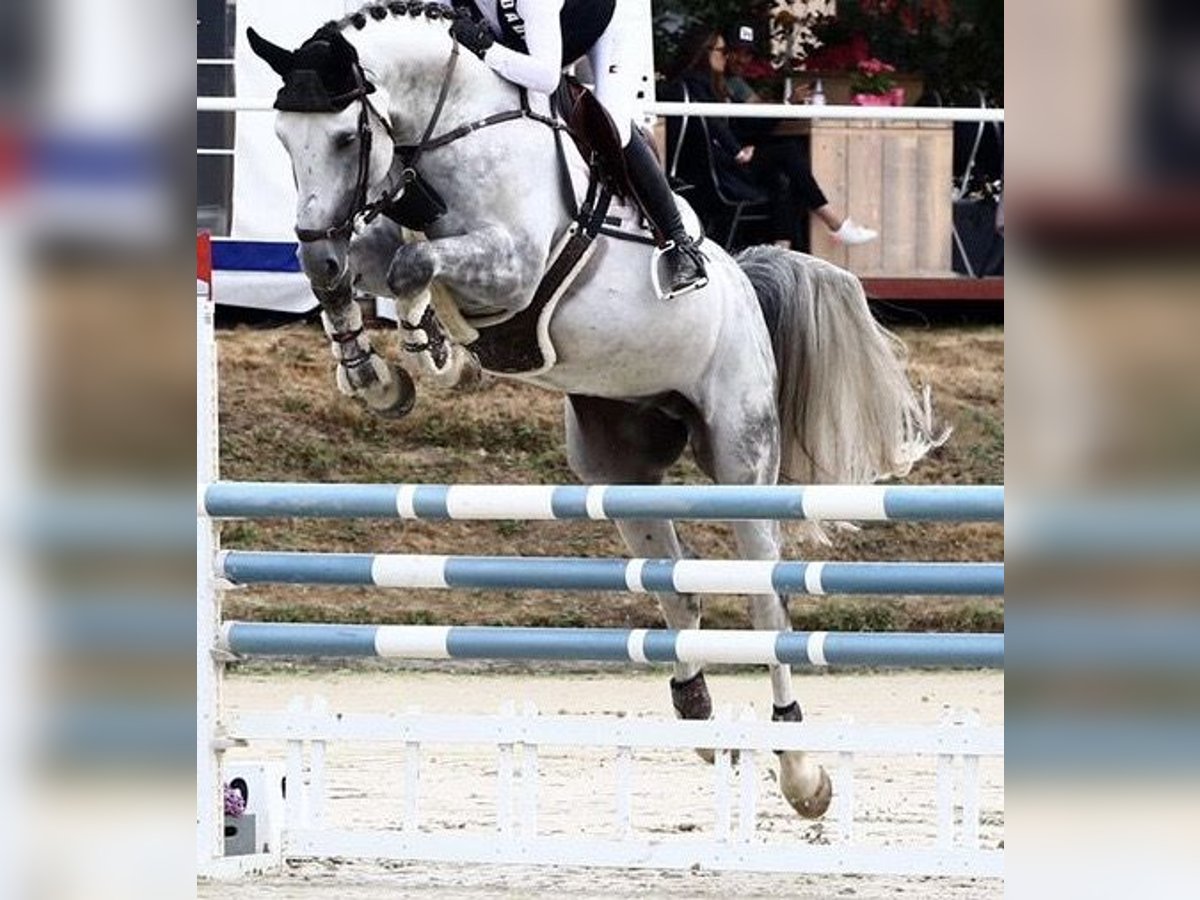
x: 682, y: 260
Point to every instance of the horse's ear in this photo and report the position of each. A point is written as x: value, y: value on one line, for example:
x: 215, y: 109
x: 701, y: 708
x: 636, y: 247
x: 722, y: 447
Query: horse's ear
x: 276, y: 57
x: 342, y: 54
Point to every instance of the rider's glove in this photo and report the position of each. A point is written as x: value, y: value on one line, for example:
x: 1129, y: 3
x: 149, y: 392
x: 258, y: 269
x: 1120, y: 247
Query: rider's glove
x: 473, y: 35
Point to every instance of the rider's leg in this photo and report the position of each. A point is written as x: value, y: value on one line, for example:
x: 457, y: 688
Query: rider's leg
x: 682, y: 257
x: 807, y: 194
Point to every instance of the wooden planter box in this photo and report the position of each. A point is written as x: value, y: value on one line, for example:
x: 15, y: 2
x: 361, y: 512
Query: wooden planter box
x: 240, y: 835
x: 838, y: 92
x: 894, y: 177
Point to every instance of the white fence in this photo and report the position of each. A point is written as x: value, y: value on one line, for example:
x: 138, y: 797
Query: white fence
x: 733, y: 843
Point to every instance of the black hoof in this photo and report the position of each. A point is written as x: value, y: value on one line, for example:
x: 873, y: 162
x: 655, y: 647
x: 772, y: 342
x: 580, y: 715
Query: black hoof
x: 692, y: 701
x: 690, y: 698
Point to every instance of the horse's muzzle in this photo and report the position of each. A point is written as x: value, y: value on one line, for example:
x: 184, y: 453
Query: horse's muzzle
x: 324, y: 262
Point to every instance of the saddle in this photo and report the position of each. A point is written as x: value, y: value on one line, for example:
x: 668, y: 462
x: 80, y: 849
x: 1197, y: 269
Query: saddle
x: 594, y: 134
x: 521, y: 343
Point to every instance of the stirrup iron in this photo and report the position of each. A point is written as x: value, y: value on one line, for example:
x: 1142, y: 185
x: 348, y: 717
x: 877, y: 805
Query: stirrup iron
x: 656, y: 282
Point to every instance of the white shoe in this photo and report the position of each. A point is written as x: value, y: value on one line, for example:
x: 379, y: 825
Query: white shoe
x: 851, y: 233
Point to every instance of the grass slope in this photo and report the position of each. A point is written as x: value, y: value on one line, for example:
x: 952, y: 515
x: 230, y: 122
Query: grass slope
x: 283, y: 420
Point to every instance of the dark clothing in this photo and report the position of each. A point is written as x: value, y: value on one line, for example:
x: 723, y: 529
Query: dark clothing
x: 699, y: 90
x: 780, y: 166
x: 735, y: 180
x: 582, y: 21
x: 778, y: 172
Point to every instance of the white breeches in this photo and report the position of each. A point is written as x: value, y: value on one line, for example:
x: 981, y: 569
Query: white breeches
x: 609, y: 60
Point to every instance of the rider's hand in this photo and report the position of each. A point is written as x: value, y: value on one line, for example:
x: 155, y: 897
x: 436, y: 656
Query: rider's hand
x: 745, y: 155
x: 475, y: 36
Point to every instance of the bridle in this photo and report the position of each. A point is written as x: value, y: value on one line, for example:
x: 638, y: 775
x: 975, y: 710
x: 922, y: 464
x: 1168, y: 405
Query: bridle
x: 362, y: 181
x: 403, y: 173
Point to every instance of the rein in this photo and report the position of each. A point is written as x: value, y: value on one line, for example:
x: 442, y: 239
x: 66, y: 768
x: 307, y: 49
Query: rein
x: 403, y: 173
x: 494, y: 119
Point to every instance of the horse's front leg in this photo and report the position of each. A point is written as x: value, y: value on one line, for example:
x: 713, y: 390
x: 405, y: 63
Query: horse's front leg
x: 490, y: 270
x: 448, y: 364
x: 437, y: 282
x: 361, y: 372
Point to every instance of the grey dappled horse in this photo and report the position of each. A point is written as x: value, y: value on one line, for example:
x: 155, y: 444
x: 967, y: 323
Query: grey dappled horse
x: 775, y: 369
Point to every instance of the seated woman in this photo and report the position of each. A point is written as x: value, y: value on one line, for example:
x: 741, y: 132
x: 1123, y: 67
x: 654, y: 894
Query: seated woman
x: 775, y: 165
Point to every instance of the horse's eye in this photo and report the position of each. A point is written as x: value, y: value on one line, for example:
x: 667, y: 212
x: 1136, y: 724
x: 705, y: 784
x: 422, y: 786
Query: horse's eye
x: 345, y: 140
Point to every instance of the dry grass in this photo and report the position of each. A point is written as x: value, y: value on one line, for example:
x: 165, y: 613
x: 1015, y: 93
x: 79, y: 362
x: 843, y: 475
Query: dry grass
x: 282, y: 419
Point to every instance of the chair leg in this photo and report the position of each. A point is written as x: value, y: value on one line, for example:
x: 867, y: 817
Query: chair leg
x: 958, y: 241
x: 737, y: 217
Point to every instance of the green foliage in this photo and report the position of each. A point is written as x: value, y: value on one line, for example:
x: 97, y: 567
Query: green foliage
x: 495, y: 437
x: 958, y: 54
x: 857, y: 615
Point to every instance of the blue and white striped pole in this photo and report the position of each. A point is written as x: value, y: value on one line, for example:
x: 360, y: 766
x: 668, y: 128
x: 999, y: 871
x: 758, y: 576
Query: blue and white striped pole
x: 632, y: 575
x: 540, y: 502
x: 816, y: 648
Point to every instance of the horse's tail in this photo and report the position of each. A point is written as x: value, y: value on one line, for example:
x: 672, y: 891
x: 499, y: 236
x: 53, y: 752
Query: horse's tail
x: 847, y: 411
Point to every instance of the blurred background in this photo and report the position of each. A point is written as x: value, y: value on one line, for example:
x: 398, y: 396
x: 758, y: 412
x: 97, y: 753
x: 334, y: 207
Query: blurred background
x: 1102, y: 430
x: 97, y: 184
x: 96, y: 257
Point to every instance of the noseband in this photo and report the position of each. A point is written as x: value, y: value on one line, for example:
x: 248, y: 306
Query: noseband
x: 406, y: 197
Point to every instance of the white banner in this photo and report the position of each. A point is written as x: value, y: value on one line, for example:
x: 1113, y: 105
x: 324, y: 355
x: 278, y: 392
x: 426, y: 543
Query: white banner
x: 264, y: 199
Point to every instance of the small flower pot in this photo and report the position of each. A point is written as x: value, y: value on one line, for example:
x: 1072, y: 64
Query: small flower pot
x: 239, y: 835
x: 872, y: 99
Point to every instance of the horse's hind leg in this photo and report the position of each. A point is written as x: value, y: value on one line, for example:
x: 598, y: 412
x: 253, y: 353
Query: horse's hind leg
x: 805, y: 785
x: 740, y: 445
x: 609, y: 442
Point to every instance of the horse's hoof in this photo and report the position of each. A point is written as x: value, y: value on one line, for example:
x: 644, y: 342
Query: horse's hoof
x: 691, y: 698
x: 795, y: 781
x: 399, y: 397
x: 470, y: 376
x: 710, y: 756
x: 692, y: 701
x: 461, y: 373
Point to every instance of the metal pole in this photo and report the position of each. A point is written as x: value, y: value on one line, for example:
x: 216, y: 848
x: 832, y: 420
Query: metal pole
x: 210, y: 833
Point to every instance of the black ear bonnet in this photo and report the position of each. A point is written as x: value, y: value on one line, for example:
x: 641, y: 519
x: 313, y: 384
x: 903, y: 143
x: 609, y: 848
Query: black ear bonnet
x: 323, y: 75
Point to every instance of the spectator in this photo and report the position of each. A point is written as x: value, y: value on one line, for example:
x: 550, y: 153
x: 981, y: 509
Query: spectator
x: 528, y: 42
x: 748, y: 152
x: 695, y: 79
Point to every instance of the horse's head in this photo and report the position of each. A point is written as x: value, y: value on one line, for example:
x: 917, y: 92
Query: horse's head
x: 338, y: 142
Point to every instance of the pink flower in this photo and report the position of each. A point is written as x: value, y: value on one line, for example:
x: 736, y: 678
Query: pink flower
x: 872, y: 77
x: 235, y: 803
x: 875, y: 67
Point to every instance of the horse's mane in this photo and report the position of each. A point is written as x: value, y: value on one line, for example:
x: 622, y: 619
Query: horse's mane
x: 398, y: 9
x: 380, y: 11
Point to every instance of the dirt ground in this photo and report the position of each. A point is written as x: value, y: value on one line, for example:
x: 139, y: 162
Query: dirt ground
x: 673, y: 790
x: 281, y: 419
